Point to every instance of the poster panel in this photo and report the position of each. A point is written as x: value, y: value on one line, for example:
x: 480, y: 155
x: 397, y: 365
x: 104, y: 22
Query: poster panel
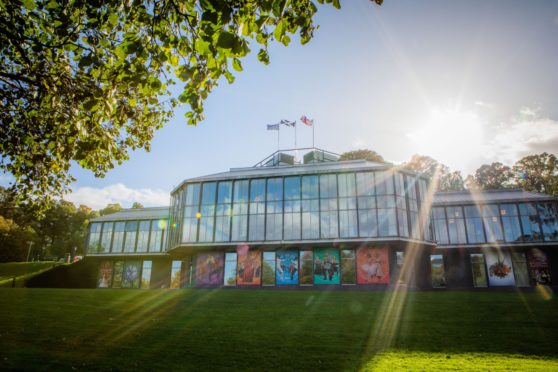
x: 326, y: 266
x: 287, y: 267
x: 372, y: 265
x: 209, y: 269
x: 131, y: 274
x: 117, y: 274
x: 249, y: 267
x: 539, y: 269
x: 105, y: 275
x: 500, y: 271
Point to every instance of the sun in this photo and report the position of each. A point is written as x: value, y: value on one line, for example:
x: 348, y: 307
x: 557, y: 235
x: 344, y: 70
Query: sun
x: 451, y: 136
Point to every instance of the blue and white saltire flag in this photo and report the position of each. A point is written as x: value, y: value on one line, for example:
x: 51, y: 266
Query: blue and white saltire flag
x: 288, y: 123
x: 272, y: 126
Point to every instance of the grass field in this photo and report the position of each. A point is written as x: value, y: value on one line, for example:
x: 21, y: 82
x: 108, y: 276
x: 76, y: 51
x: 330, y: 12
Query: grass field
x: 22, y: 271
x: 52, y: 329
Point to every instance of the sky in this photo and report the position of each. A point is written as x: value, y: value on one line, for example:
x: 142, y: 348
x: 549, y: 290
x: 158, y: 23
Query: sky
x: 465, y: 82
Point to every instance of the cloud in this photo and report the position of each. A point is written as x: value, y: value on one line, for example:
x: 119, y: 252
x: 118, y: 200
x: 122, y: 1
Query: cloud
x: 527, y: 135
x: 98, y: 198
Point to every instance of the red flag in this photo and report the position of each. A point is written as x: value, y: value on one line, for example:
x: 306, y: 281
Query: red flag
x: 307, y: 121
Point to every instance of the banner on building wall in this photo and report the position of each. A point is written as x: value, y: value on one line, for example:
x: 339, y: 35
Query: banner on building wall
x: 500, y: 271
x: 326, y: 266
x: 287, y: 267
x: 373, y: 265
x: 131, y: 274
x: 117, y: 274
x: 105, y: 275
x: 209, y: 269
x: 539, y: 269
x: 249, y: 267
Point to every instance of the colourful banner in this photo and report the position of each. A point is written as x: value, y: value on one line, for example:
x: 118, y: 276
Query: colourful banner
x: 131, y: 274
x: 287, y: 267
x: 372, y: 265
x: 249, y: 267
x: 539, y: 269
x: 500, y: 271
x: 326, y: 266
x: 209, y: 269
x: 105, y: 275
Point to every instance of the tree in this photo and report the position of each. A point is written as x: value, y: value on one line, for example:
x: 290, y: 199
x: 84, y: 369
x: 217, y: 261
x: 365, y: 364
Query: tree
x: 538, y: 173
x: 362, y: 154
x: 110, y: 208
x: 137, y: 205
x: 88, y: 81
x: 440, y: 175
x: 494, y: 176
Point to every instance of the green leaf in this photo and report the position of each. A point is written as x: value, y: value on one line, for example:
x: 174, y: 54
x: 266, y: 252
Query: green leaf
x: 226, y: 40
x: 263, y: 56
x: 236, y: 64
x: 113, y: 19
x: 29, y: 4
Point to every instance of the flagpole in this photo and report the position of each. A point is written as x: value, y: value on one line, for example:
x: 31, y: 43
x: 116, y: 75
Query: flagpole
x: 278, y: 130
x: 313, y: 125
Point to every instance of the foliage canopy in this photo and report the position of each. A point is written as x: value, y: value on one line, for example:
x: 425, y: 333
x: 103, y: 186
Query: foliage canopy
x: 89, y: 80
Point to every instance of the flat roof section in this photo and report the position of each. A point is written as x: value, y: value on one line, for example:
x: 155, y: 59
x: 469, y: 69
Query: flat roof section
x: 152, y: 213
x: 488, y: 196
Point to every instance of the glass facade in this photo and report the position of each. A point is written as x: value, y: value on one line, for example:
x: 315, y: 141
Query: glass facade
x: 143, y: 236
x: 345, y: 205
x: 495, y: 223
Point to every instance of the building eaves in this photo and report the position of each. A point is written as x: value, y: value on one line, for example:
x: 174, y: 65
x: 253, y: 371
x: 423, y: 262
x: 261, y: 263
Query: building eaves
x: 488, y: 196
x: 292, y: 170
x: 135, y: 214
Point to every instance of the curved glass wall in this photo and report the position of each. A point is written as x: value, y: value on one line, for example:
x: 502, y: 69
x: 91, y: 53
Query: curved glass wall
x: 347, y: 205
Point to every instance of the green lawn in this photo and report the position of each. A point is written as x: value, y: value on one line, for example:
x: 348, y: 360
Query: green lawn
x: 22, y: 271
x: 276, y: 330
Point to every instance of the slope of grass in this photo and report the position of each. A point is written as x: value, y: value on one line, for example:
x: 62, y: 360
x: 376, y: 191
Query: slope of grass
x: 22, y: 271
x: 45, y: 329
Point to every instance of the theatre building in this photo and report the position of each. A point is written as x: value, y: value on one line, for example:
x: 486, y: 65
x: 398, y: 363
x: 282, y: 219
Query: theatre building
x: 322, y: 222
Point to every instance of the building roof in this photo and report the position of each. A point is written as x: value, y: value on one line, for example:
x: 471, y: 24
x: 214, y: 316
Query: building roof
x: 488, y: 196
x: 292, y: 170
x: 135, y: 214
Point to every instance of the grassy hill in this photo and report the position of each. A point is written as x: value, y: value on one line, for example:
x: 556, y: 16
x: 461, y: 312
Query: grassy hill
x: 22, y: 271
x: 195, y: 330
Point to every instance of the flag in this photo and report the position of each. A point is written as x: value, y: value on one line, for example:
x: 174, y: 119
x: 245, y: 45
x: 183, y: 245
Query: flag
x: 272, y: 126
x: 288, y: 123
x: 307, y: 121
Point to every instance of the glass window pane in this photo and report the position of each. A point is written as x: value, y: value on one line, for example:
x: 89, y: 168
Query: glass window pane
x: 230, y: 269
x: 478, y: 268
x: 268, y: 277
x: 306, y: 267
x: 348, y: 268
x: 106, y: 239
x: 438, y: 273
x: 143, y: 236
x: 146, y: 274
x: 176, y: 274
x: 94, y: 245
x: 118, y: 238
x: 131, y: 234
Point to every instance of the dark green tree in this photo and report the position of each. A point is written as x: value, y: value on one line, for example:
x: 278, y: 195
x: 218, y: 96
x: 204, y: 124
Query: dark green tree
x: 538, y: 173
x: 110, y: 208
x: 362, y: 154
x: 442, y: 178
x: 494, y: 176
x: 137, y: 205
x: 88, y: 80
